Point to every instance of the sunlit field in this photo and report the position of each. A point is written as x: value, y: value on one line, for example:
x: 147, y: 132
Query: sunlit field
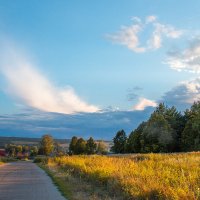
x: 151, y: 176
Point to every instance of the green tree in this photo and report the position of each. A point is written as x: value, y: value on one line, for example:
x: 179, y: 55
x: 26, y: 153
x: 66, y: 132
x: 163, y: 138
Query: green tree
x: 47, y: 144
x: 134, y: 142
x: 157, y: 135
x: 177, y: 122
x: 33, y: 151
x: 119, y: 142
x: 80, y: 147
x: 72, y: 145
x: 191, y: 132
x: 91, y: 146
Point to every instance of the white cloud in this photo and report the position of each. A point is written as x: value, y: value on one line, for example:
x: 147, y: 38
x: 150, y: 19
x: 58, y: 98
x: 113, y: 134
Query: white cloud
x: 130, y: 36
x: 143, y: 103
x: 34, y: 89
x: 184, y: 94
x: 161, y: 31
x: 187, y: 59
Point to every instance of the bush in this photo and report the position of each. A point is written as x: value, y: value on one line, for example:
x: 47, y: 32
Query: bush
x: 40, y: 159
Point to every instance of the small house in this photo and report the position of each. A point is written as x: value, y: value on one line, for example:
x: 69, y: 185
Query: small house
x: 2, y: 152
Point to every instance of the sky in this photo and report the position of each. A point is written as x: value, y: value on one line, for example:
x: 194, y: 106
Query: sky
x: 94, y: 63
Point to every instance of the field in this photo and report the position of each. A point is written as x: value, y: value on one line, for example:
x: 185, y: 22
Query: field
x: 150, y: 176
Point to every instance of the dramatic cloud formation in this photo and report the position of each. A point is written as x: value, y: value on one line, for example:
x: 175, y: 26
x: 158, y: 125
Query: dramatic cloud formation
x: 186, y: 60
x: 183, y: 95
x: 34, y: 89
x: 129, y: 36
x: 144, y: 103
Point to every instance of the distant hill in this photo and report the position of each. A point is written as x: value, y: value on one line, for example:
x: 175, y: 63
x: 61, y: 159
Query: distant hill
x: 27, y: 141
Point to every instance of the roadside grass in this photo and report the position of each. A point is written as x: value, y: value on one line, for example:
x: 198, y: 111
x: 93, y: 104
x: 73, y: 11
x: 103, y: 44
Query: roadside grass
x: 142, y: 176
x: 59, y: 181
x: 75, y: 187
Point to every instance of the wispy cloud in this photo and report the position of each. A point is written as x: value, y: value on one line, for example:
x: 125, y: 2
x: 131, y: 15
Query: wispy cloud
x: 133, y: 93
x: 130, y: 36
x: 144, y: 103
x: 29, y: 85
x: 187, y: 59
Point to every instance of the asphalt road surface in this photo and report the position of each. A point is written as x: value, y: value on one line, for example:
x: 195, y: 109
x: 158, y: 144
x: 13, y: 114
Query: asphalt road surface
x: 26, y: 181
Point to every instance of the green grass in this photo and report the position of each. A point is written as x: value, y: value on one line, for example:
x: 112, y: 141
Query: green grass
x: 60, y: 181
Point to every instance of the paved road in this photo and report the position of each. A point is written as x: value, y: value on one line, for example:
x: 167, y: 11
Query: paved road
x: 26, y: 181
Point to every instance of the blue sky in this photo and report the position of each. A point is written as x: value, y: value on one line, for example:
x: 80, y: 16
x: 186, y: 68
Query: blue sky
x: 71, y: 57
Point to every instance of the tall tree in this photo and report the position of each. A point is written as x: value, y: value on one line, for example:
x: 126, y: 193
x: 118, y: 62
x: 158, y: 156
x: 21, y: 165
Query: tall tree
x: 80, y: 147
x: 47, y: 144
x: 191, y: 133
x: 91, y: 146
x: 72, y: 145
x: 157, y: 135
x: 134, y: 142
x: 119, y: 142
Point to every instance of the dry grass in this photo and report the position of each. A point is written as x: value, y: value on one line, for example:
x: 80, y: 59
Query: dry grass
x: 150, y: 176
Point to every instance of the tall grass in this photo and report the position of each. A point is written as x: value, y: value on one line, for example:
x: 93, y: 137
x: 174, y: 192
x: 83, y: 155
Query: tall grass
x: 150, y: 176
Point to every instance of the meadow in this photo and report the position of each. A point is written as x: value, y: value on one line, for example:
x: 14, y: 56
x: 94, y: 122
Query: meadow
x: 141, y: 176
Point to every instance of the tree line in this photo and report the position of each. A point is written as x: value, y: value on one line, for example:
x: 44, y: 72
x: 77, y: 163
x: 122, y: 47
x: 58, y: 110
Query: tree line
x: 80, y: 146
x: 47, y: 146
x: 167, y: 130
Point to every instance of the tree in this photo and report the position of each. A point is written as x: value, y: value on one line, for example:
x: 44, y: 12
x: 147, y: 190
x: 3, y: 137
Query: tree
x: 177, y: 122
x: 134, y: 142
x: 101, y: 147
x: 11, y: 150
x: 47, y: 144
x: 19, y: 149
x: 33, y: 151
x: 58, y: 149
x: 80, y: 147
x: 91, y: 146
x: 191, y: 132
x: 157, y: 135
x: 72, y: 145
x: 119, y: 142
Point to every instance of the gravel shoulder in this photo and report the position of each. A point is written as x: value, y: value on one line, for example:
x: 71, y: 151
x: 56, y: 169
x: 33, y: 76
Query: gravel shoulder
x: 25, y: 180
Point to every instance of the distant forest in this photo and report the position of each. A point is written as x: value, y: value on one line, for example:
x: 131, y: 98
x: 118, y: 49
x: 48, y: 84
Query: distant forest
x: 167, y: 130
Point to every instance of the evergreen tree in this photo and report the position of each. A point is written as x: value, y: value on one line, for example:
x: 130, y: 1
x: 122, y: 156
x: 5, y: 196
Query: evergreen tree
x: 91, y: 146
x: 157, y: 135
x: 119, y: 142
x: 72, y: 145
x: 80, y: 147
x: 134, y: 139
x: 191, y: 133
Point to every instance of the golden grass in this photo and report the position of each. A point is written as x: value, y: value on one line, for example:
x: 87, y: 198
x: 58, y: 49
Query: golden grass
x: 150, y: 176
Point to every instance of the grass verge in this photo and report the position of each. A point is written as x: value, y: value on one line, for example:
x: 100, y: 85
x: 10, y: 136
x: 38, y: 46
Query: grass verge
x: 60, y: 181
x: 75, y: 187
